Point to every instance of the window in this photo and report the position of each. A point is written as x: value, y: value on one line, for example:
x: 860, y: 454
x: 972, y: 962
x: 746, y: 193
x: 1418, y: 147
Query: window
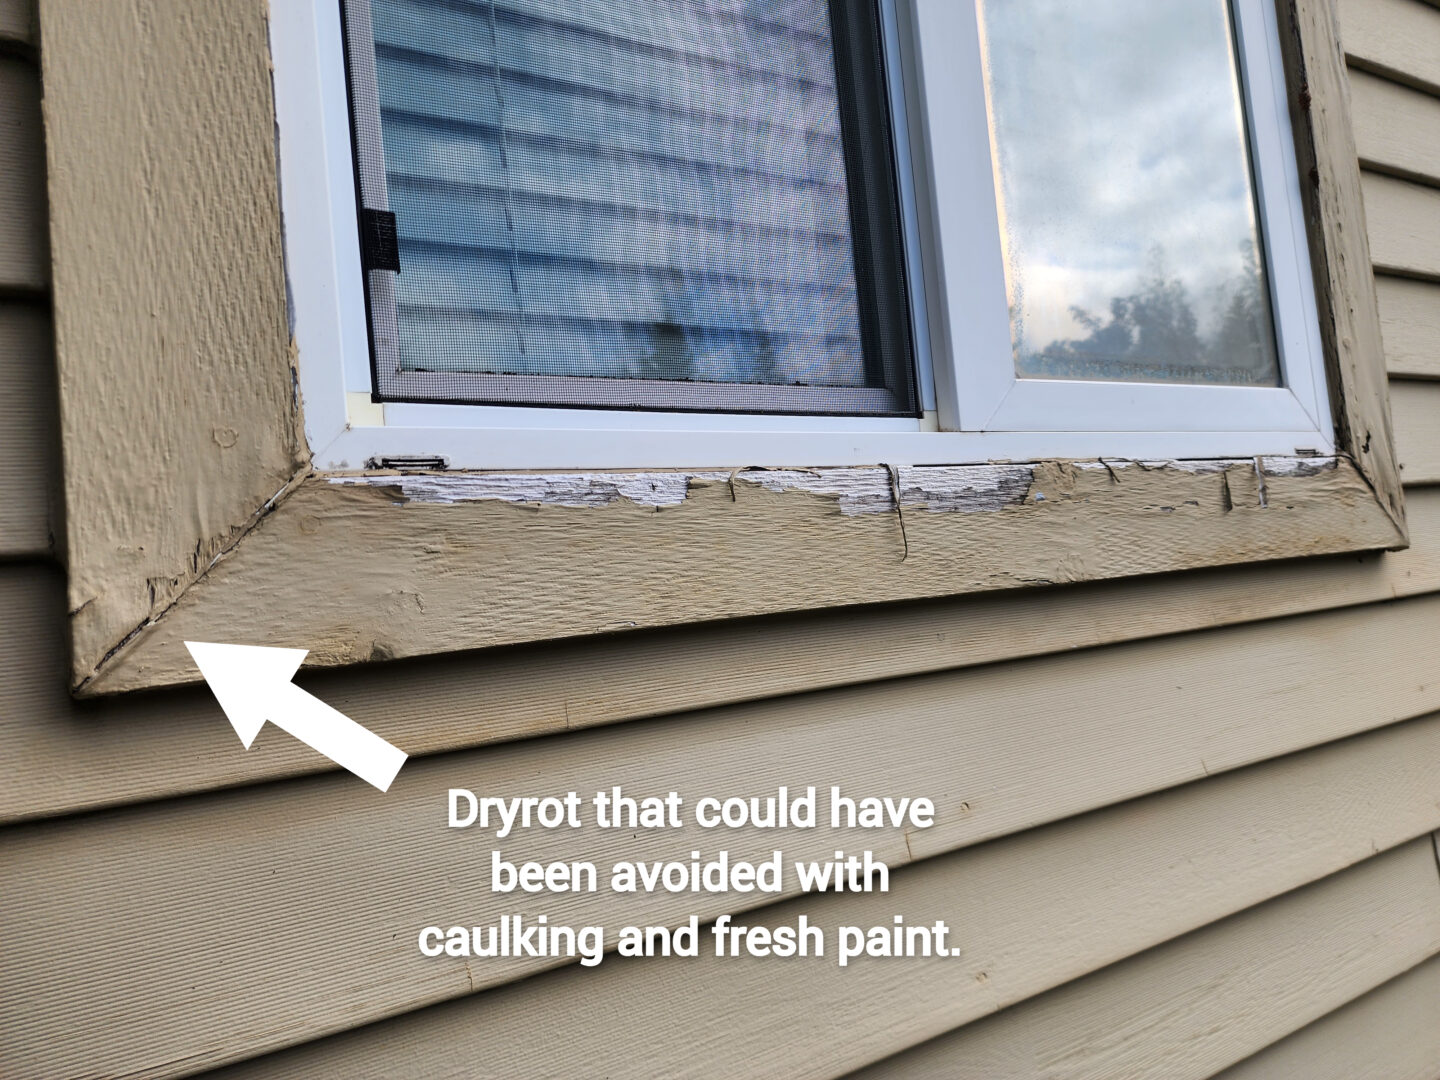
x: 957, y: 448
x: 638, y: 205
x: 798, y: 232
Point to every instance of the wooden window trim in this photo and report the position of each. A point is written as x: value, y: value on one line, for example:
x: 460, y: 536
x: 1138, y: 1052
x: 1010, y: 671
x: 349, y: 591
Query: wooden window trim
x: 192, y: 510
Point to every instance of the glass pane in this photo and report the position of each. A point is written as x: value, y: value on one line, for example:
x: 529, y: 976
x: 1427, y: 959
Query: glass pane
x: 1127, y: 204
x: 619, y: 188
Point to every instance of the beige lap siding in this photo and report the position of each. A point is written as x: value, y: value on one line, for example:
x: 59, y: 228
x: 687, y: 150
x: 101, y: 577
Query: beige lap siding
x: 1274, y: 728
x: 1389, y: 1034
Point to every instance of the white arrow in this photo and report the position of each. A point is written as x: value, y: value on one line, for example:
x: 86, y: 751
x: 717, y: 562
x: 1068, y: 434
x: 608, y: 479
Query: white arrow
x: 252, y: 684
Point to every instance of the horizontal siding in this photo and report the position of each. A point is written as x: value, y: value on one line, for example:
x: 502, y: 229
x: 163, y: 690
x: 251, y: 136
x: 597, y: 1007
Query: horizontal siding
x: 55, y: 757
x: 17, y: 22
x: 1404, y: 225
x: 28, y: 441
x: 1206, y: 1000
x: 1410, y: 322
x: 29, y: 445
x: 1397, y: 129
x: 217, y: 920
x: 24, y: 252
x: 1415, y: 408
x: 323, y: 872
x: 1389, y: 1034
x: 1199, y: 1004
x: 1399, y: 38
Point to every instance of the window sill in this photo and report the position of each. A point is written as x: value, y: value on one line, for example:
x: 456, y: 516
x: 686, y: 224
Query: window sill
x: 193, y: 508
x: 365, y: 567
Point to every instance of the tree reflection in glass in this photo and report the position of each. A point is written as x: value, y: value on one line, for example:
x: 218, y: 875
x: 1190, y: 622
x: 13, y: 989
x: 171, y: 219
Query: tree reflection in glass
x: 1127, y: 204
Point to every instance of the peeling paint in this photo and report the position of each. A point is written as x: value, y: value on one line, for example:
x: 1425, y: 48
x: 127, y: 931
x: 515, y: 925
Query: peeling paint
x: 1297, y: 466
x: 577, y: 490
x: 966, y: 489
x: 868, y: 490
x: 856, y: 490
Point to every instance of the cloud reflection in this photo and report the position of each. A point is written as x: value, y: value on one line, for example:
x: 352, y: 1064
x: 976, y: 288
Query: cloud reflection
x: 1127, y: 206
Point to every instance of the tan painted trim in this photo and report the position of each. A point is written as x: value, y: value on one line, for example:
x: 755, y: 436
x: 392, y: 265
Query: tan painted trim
x: 178, y: 412
x: 1339, y: 247
x: 193, y: 514
x: 387, y: 568
x: 449, y: 703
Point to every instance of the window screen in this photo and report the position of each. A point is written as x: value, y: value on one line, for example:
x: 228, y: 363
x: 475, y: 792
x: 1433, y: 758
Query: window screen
x: 662, y: 204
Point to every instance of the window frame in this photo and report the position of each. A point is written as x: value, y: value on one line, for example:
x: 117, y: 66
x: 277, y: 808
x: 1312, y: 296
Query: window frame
x: 196, y: 509
x: 387, y: 381
x: 974, y: 409
x: 982, y: 392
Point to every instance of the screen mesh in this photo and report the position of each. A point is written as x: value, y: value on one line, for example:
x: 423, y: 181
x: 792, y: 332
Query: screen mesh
x: 631, y: 203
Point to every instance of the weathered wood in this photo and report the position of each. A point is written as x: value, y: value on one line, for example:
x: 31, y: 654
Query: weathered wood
x: 1417, y: 430
x: 403, y: 567
x: 29, y: 450
x: 415, y: 576
x: 1339, y: 251
x: 65, y: 756
x: 1388, y: 1034
x: 222, y: 909
x: 1201, y: 1003
x: 169, y: 296
x: 24, y: 252
x: 1398, y: 38
x: 1397, y: 129
x: 1404, y: 221
x: 1410, y: 315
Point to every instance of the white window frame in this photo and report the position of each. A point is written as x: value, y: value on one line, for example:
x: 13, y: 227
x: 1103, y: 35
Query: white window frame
x: 975, y: 409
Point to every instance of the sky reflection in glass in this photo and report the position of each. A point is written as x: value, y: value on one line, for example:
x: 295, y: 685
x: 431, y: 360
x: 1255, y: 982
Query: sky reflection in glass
x: 1127, y: 203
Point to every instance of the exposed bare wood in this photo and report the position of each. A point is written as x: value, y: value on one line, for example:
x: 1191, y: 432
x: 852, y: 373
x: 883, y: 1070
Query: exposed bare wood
x: 414, y: 576
x: 358, y: 572
x: 1410, y: 315
x: 1417, y: 430
x: 1339, y: 251
x: 29, y: 456
x: 1388, y: 1034
x: 223, y: 908
x: 1397, y: 129
x: 169, y: 294
x: 1195, y: 1006
x: 1398, y: 38
x: 1404, y: 226
x: 24, y: 254
x: 66, y: 756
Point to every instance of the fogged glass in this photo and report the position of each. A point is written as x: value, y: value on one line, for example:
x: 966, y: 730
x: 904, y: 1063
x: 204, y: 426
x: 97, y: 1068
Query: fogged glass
x: 621, y: 188
x: 1127, y: 203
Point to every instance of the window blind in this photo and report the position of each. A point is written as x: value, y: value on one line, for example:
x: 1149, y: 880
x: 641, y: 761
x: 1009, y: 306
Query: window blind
x: 630, y: 203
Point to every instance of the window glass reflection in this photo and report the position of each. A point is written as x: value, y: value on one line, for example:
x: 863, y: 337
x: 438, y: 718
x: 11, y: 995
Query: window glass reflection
x: 1127, y: 206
